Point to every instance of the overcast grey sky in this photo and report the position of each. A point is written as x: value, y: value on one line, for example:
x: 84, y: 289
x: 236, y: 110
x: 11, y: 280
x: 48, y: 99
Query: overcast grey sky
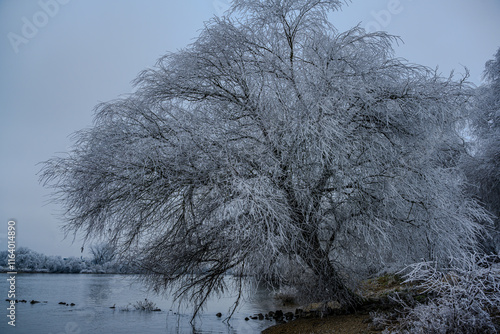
x: 59, y: 58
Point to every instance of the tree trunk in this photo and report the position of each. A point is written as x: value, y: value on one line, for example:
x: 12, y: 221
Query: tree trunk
x: 329, y: 285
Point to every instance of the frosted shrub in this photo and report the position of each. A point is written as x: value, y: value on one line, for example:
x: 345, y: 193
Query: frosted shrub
x: 145, y: 305
x: 464, y: 298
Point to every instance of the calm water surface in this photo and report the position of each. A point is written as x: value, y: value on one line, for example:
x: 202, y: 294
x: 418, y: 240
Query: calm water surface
x: 94, y: 294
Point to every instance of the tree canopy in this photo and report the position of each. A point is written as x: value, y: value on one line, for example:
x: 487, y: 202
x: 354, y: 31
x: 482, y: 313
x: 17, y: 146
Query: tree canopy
x: 277, y: 147
x: 483, y: 167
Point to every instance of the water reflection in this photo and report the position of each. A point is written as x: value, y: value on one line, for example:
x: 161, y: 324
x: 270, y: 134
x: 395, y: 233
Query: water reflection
x: 98, y: 289
x: 180, y: 324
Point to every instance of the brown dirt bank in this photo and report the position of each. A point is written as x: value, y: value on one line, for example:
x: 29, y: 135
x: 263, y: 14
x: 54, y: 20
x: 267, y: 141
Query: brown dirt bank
x: 344, y: 324
x: 374, y: 290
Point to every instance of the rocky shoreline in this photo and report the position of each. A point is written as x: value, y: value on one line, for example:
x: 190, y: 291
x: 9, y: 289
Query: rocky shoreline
x: 332, y: 318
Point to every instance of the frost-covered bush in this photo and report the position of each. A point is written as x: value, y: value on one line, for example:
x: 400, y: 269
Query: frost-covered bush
x: 145, y: 305
x: 464, y: 298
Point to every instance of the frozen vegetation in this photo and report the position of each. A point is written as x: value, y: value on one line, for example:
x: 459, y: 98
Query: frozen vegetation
x: 277, y: 148
x: 463, y: 298
x: 464, y: 295
x: 28, y: 260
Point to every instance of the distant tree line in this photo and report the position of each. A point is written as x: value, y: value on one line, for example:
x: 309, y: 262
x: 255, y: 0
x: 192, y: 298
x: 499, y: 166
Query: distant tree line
x: 101, y: 262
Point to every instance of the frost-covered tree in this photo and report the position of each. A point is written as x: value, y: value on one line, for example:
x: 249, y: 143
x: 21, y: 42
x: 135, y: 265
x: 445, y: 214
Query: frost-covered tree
x: 276, y: 147
x: 27, y: 259
x: 102, y: 253
x: 483, y: 168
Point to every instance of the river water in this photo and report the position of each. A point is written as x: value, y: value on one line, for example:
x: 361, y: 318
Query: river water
x: 93, y: 295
